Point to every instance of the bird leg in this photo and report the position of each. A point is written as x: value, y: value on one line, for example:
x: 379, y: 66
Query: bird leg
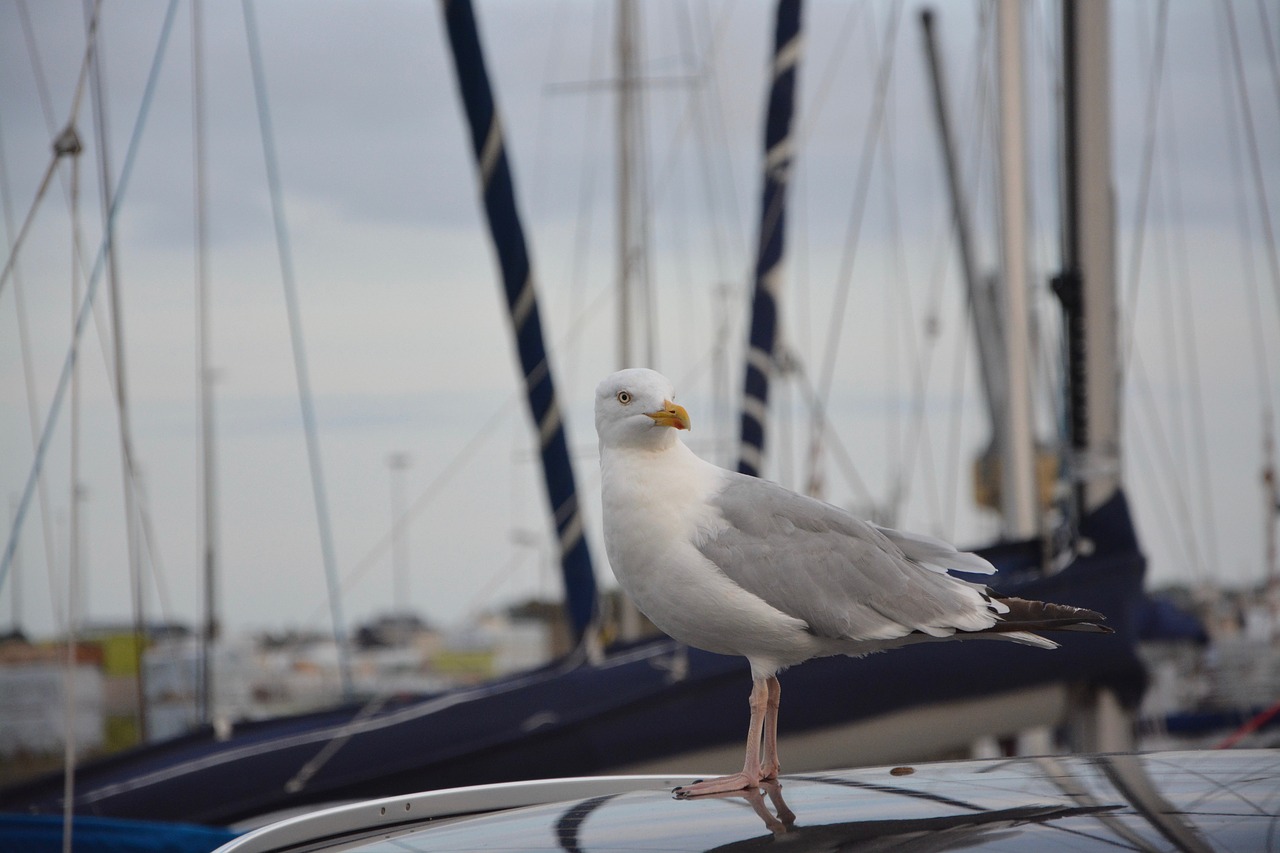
x: 769, y: 765
x: 751, y: 770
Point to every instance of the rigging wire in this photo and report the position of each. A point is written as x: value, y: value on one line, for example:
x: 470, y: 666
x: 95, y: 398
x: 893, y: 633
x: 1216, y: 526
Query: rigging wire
x: 861, y: 191
x: 21, y: 237
x: 436, y: 486
x: 979, y: 77
x: 718, y: 128
x: 1189, y: 482
x: 704, y: 119
x: 120, y: 396
x: 818, y: 416
x: 959, y: 381
x: 1169, y: 518
x: 105, y: 337
x: 1243, y: 229
x: 686, y: 123
x: 86, y: 305
x: 582, y: 242
x: 477, y: 604
x: 942, y: 498
x: 58, y: 153
x: 665, y: 183
x: 1249, y: 277
x: 1202, y: 483
x: 1167, y: 459
x: 807, y: 119
x: 33, y: 403
x: 1172, y: 432
x: 285, y: 253
x: 917, y: 440
x: 1268, y: 32
x: 894, y: 479
x: 870, y: 143
x: 1255, y: 159
x: 830, y: 74
x: 706, y: 116
x: 434, y: 489
x: 1173, y: 362
x: 542, y: 176
x: 37, y: 67
x: 1155, y: 79
x: 723, y: 217
x: 1150, y: 195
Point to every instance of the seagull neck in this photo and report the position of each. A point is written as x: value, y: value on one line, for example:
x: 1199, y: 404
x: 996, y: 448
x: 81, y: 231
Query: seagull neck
x: 662, y: 449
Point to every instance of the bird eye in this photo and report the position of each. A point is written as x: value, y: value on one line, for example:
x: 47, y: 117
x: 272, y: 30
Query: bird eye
x: 624, y: 397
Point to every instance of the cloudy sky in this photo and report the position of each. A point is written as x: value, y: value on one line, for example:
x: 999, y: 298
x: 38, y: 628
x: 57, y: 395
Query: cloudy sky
x: 407, y: 343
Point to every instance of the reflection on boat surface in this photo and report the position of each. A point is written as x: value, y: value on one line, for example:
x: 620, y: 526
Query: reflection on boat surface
x: 1192, y: 801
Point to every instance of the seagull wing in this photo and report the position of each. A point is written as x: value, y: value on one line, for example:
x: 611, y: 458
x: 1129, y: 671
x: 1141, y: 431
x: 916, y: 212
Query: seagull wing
x: 844, y: 577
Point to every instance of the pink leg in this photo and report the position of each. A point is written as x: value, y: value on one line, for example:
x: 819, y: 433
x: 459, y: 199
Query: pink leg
x: 769, y: 765
x: 751, y: 774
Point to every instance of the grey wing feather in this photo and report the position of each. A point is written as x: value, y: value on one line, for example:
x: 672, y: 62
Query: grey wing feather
x: 936, y: 554
x: 844, y: 577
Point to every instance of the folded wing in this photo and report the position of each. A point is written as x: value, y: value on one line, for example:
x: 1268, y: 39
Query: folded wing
x: 844, y: 577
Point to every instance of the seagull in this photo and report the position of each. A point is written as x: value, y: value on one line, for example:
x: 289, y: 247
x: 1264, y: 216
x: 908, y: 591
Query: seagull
x: 738, y: 565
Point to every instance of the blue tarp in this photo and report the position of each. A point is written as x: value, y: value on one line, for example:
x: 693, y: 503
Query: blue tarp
x: 43, y: 834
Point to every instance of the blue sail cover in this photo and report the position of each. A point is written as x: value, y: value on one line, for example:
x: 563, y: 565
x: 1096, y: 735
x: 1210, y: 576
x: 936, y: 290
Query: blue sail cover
x: 522, y: 304
x: 773, y: 220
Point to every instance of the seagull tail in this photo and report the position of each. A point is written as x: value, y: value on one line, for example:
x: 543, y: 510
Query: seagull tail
x: 1026, y: 616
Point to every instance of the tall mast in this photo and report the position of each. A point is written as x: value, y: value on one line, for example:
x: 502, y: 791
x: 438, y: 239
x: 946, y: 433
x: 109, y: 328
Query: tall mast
x: 1086, y: 284
x: 1271, y: 497
x: 1017, y: 453
x: 768, y: 272
x: 398, y: 463
x: 204, y: 380
x: 68, y: 143
x: 633, y: 243
x: 131, y: 512
x: 981, y: 290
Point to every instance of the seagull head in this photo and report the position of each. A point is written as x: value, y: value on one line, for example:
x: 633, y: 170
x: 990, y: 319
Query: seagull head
x: 634, y: 408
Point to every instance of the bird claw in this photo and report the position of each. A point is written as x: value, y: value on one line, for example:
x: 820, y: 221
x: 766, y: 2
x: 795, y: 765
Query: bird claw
x: 719, y: 785
x: 782, y: 822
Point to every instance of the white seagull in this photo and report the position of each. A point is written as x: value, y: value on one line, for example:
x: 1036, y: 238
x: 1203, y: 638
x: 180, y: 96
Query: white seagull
x: 737, y: 565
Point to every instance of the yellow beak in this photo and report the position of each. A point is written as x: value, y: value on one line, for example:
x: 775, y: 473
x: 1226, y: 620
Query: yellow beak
x: 670, y: 415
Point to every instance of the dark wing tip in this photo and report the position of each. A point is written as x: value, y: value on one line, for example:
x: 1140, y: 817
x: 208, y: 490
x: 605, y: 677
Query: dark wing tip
x: 1025, y: 615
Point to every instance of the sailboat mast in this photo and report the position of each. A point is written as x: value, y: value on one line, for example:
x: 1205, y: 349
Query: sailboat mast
x: 1271, y: 506
x: 1086, y: 284
x: 768, y: 272
x: 1018, y: 485
x: 204, y: 378
x: 131, y: 508
x: 981, y: 290
x: 633, y: 249
x: 68, y: 143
